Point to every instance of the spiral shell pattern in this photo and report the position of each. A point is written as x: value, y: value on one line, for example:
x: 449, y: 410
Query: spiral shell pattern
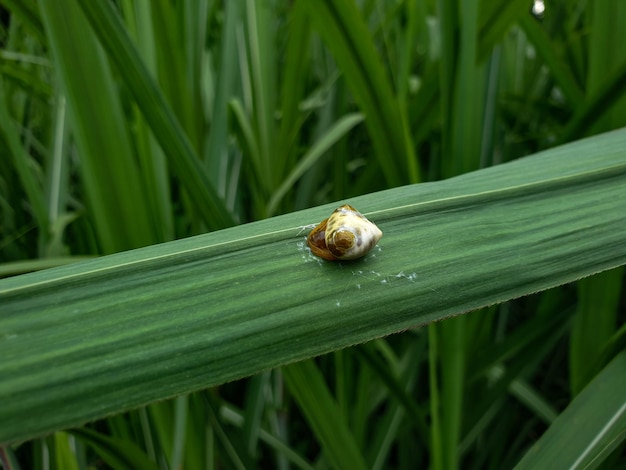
x: 345, y: 235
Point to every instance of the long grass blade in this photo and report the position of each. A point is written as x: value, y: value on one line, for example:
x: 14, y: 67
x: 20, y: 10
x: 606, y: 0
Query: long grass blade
x: 336, y: 132
x: 143, y: 325
x: 344, y: 31
x: 307, y: 386
x: 546, y: 49
x: 165, y: 127
x: 9, y: 136
x: 590, y: 428
x: 108, y: 167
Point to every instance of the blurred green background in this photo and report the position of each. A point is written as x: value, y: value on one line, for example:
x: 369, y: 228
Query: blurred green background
x: 129, y: 123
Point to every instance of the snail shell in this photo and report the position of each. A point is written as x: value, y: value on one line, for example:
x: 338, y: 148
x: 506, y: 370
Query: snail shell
x: 345, y: 235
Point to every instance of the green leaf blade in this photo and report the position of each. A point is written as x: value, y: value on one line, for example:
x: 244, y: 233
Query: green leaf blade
x: 344, y: 31
x: 87, y: 340
x: 590, y: 428
x: 165, y: 127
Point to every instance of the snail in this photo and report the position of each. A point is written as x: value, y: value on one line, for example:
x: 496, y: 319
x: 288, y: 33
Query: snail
x: 345, y: 235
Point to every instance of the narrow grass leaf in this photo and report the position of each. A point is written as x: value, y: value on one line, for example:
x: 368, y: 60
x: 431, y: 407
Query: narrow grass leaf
x: 594, y: 107
x: 395, y: 387
x: 590, y: 428
x: 218, y: 140
x: 307, y: 386
x: 325, y: 142
x: 222, y: 437
x: 64, y: 457
x: 496, y: 18
x: 261, y: 65
x: 118, y: 453
x: 539, y: 405
x: 110, y: 176
x: 150, y: 155
x: 9, y: 134
x: 466, y: 141
x: 22, y: 267
x: 594, y: 323
x: 167, y: 130
x: 27, y: 12
x: 296, y: 73
x: 345, y: 33
x: 232, y: 416
x: 148, y: 324
x: 246, y: 135
x: 547, y: 50
x: 255, y: 405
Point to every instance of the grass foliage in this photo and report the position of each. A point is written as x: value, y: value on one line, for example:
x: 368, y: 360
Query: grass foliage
x: 133, y: 128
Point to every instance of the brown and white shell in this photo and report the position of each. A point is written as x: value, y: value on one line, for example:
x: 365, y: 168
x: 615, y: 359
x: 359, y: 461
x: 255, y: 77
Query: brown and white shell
x: 345, y: 235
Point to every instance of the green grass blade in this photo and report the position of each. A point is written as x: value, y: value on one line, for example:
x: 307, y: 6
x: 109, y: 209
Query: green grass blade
x: 260, y: 54
x: 118, y: 453
x: 589, y: 429
x: 167, y: 130
x: 447, y: 64
x: 150, y: 155
x: 597, y: 314
x: 27, y: 266
x: 594, y: 323
x: 434, y: 386
x: 466, y: 138
x: 64, y: 457
x: 606, y: 23
x: 10, y: 137
x: 296, y: 72
x: 148, y: 324
x: 345, y: 33
x: 616, y: 344
x: 247, y: 138
x: 307, y: 386
x: 27, y: 12
x: 222, y: 437
x: 525, y: 393
x: 496, y: 18
x: 546, y: 49
x: 231, y: 416
x: 469, y: 101
x: 598, y: 104
x: 110, y: 176
x: 216, y: 154
x: 325, y: 142
x: 387, y: 377
x: 255, y: 404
